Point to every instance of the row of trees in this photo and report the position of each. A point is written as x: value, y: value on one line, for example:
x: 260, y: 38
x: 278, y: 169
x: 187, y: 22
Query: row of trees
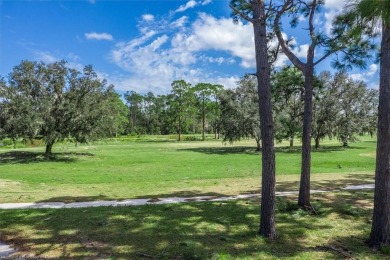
x: 343, y: 108
x: 350, y: 39
x: 186, y: 109
x: 54, y: 102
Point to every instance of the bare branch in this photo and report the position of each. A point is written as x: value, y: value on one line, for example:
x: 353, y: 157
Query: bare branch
x: 286, y: 49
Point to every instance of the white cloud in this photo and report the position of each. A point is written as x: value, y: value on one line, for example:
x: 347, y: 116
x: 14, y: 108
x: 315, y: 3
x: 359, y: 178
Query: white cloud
x: 148, y: 17
x: 98, y: 36
x: 335, y: 4
x: 45, y: 56
x: 181, y: 22
x: 188, y: 5
x: 372, y: 69
x: 366, y: 75
x: 357, y: 76
x: 301, y: 51
x: 206, y: 2
x: 158, y: 57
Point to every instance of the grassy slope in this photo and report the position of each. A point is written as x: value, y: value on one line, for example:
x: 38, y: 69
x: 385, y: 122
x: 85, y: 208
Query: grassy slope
x: 119, y: 170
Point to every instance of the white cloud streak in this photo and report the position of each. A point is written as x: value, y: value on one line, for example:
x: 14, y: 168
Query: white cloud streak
x: 99, y: 36
x: 188, y: 5
x: 148, y: 17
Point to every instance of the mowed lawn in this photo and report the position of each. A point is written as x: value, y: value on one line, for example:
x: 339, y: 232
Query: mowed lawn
x: 193, y: 230
x: 135, y: 169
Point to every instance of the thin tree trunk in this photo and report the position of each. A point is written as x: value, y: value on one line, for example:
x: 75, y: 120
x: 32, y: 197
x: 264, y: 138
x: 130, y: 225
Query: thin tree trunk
x: 258, y: 145
x: 304, y: 188
x: 317, y: 142
x: 49, y: 148
x: 203, y: 120
x: 267, y: 213
x: 380, y: 229
x: 291, y: 142
x: 179, y: 129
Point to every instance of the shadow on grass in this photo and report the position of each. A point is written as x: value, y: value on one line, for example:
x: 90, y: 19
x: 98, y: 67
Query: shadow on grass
x: 252, y: 150
x: 25, y: 157
x: 328, y: 185
x: 70, y: 199
x: 191, y: 231
x: 224, y: 150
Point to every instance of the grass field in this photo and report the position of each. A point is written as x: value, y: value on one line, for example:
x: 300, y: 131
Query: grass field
x: 122, y: 169
x: 208, y: 230
x: 134, y: 169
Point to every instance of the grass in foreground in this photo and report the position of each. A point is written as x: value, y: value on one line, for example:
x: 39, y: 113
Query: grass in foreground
x: 129, y: 169
x: 196, y: 231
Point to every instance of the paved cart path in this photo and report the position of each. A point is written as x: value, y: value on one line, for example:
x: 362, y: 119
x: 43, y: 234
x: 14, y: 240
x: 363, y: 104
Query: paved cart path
x: 6, y: 251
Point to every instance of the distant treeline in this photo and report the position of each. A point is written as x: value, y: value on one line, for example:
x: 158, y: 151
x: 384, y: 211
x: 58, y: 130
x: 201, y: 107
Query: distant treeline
x: 52, y: 102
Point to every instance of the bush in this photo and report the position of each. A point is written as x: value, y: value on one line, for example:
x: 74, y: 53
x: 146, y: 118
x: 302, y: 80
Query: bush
x: 191, y: 138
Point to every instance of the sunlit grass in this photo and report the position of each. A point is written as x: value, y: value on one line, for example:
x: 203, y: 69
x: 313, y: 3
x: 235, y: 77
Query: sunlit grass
x: 121, y: 169
x: 209, y: 230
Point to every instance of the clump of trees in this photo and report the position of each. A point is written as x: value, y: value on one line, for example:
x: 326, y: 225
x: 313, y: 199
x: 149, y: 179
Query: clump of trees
x: 186, y: 109
x: 53, y: 102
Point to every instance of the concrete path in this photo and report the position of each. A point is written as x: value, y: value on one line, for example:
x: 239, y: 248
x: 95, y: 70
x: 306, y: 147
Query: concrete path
x: 6, y: 251
x: 138, y: 202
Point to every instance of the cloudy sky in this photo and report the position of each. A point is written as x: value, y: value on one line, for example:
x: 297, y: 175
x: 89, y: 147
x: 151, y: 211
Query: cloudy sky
x: 144, y: 45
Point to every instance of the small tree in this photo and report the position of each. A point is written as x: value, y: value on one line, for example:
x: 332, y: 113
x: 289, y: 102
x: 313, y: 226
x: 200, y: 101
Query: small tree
x: 240, y: 112
x: 180, y: 103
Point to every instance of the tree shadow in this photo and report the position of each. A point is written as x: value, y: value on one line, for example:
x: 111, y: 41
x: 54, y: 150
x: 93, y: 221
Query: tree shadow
x: 189, y: 230
x: 26, y: 157
x: 252, y: 150
x: 186, y: 231
x: 70, y: 199
x: 224, y: 150
x: 328, y: 185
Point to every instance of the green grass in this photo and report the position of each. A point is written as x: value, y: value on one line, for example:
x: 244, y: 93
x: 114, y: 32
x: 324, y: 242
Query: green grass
x: 124, y: 169
x: 156, y: 167
x: 209, y: 230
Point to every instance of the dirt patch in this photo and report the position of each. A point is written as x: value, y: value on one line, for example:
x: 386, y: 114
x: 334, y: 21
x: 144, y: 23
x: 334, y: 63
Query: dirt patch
x: 8, y: 183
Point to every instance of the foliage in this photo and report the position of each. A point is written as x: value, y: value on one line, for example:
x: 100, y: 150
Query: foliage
x: 287, y: 93
x: 53, y: 102
x: 240, y: 112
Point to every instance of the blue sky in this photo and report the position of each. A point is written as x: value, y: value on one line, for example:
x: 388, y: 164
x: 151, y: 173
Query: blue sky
x: 143, y: 45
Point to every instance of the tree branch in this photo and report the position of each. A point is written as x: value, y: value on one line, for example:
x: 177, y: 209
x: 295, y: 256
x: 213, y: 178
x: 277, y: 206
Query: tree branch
x: 286, y: 50
x: 242, y: 15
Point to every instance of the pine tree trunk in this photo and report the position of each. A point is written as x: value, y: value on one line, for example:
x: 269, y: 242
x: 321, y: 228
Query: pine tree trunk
x: 380, y: 229
x: 203, y: 121
x: 267, y: 213
x: 304, y: 188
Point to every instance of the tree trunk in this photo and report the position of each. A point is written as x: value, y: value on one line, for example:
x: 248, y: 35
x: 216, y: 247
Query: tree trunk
x: 380, y: 229
x: 203, y: 120
x: 258, y: 145
x: 179, y: 129
x: 317, y: 140
x: 49, y: 147
x: 291, y: 142
x: 267, y: 213
x: 304, y: 188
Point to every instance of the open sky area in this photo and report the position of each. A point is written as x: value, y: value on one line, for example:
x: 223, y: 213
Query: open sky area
x: 145, y: 45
